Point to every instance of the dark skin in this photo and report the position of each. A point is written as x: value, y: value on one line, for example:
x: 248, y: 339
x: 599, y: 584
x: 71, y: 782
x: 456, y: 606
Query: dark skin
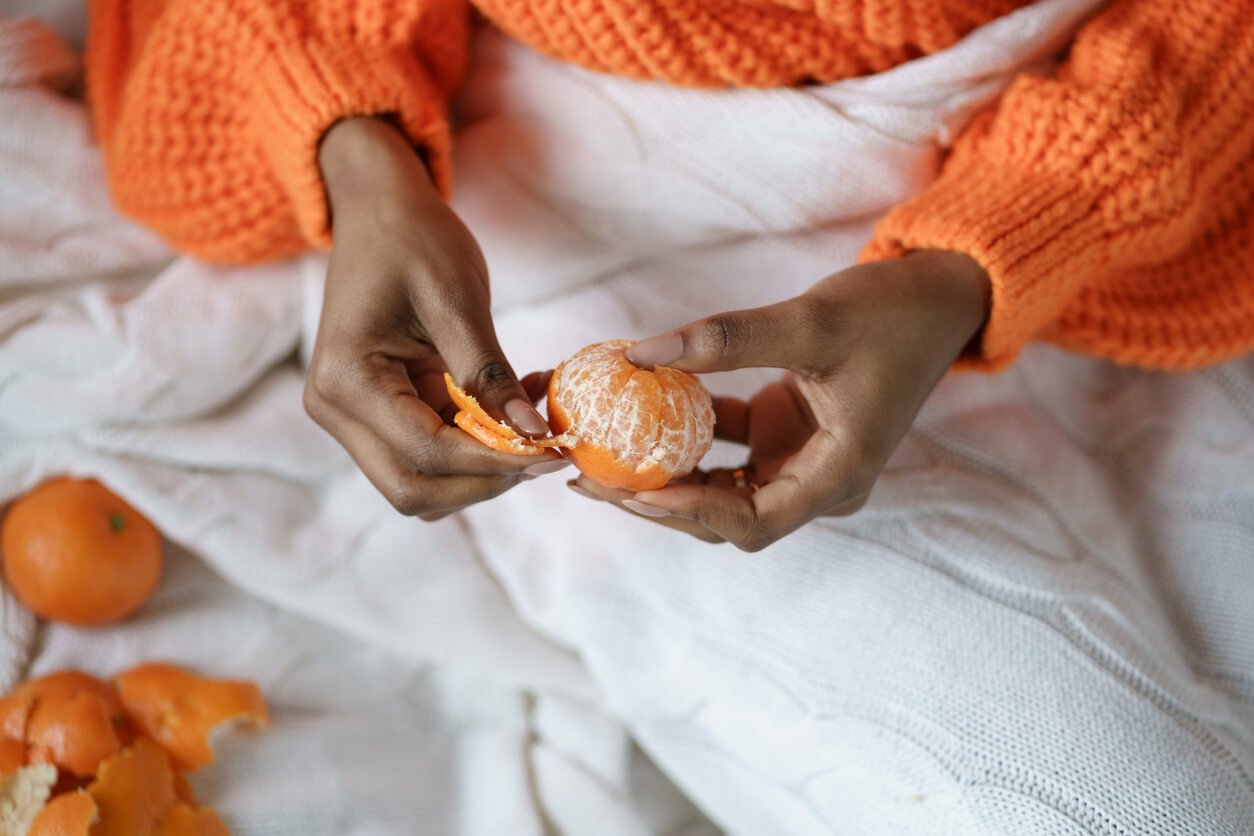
x: 407, y: 298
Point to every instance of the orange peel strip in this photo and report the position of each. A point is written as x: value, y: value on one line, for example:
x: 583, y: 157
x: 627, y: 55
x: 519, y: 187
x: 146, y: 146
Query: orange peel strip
x: 179, y: 710
x: 133, y: 789
x: 68, y: 814
x: 467, y: 403
x: 485, y: 435
x: 476, y: 422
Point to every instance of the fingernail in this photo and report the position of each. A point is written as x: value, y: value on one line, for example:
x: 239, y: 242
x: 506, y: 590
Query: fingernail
x: 644, y: 509
x: 657, y: 351
x: 524, y: 416
x: 541, y: 468
x: 582, y: 491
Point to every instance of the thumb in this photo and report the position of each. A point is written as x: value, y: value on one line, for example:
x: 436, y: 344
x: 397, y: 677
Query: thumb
x: 470, y: 349
x: 785, y: 335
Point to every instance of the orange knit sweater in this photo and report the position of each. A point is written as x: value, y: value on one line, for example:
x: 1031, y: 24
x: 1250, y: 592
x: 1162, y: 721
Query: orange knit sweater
x: 1112, y: 203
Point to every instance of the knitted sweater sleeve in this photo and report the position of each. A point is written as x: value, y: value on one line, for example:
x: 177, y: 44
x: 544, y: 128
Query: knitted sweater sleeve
x: 1111, y: 204
x: 210, y: 114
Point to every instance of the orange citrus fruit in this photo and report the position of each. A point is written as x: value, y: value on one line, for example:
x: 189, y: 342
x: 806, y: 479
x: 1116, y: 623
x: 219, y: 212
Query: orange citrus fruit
x: 178, y: 709
x: 623, y: 426
x: 76, y: 552
x: 630, y: 427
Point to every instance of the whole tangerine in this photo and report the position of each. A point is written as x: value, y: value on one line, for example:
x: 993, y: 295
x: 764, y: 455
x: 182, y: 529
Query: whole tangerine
x: 76, y: 552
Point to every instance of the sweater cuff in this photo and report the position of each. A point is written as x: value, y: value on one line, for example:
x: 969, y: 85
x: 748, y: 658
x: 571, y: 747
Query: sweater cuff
x: 1038, y: 235
x: 305, y: 87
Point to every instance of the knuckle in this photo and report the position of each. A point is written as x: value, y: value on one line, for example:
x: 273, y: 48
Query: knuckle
x: 314, y: 404
x: 407, y: 498
x: 813, y: 323
x: 755, y: 540
x: 718, y: 336
x: 427, y: 454
x: 323, y: 384
x: 493, y: 374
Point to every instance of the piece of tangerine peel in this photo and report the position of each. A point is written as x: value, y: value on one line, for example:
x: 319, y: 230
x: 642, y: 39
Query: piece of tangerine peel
x: 76, y: 733
x: 12, y: 755
x: 68, y: 814
x: 132, y: 790
x: 67, y: 718
x: 472, y: 418
x: 183, y: 820
x: 180, y: 710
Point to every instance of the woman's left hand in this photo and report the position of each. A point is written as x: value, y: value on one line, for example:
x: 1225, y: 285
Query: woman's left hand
x: 863, y: 349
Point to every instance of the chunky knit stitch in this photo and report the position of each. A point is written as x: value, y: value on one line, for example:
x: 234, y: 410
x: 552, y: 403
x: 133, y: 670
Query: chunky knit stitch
x: 1112, y: 204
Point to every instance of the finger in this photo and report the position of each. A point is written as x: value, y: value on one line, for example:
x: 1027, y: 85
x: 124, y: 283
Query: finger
x: 731, y: 419
x: 414, y: 493
x: 537, y: 384
x: 811, y: 483
x: 447, y: 451
x: 463, y: 332
x: 375, y: 402
x: 599, y: 493
x: 785, y: 335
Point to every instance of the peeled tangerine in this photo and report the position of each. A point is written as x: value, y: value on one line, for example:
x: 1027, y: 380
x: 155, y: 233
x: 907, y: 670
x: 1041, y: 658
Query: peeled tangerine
x: 623, y: 426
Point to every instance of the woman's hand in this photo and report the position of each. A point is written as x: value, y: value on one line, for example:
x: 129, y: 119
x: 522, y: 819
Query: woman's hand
x: 407, y: 299
x: 863, y: 349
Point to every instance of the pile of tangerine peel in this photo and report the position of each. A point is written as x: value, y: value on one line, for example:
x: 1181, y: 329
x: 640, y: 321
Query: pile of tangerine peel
x: 84, y: 757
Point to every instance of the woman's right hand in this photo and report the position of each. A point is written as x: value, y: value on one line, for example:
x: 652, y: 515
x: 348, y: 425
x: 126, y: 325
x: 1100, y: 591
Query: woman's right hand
x: 406, y: 300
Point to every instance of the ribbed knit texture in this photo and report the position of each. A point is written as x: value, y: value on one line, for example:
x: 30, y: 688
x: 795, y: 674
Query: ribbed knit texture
x: 1111, y: 204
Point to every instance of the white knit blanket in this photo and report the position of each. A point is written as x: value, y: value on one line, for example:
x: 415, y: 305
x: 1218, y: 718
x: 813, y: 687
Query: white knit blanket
x: 1043, y: 622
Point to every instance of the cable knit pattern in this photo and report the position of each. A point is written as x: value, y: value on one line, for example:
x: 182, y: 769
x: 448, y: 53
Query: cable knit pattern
x: 1111, y: 204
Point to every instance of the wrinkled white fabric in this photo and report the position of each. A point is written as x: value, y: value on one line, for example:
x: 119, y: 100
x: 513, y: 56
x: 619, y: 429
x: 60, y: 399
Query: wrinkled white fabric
x: 1040, y: 624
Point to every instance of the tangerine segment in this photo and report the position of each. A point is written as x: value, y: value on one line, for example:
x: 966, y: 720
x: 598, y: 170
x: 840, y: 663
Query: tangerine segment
x: 76, y: 733
x: 133, y: 790
x: 179, y: 709
x: 182, y: 820
x: 12, y: 755
x: 633, y: 428
x: 68, y: 814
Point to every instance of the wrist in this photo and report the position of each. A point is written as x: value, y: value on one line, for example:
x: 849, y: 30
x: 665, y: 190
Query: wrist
x: 956, y: 285
x: 367, y: 159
